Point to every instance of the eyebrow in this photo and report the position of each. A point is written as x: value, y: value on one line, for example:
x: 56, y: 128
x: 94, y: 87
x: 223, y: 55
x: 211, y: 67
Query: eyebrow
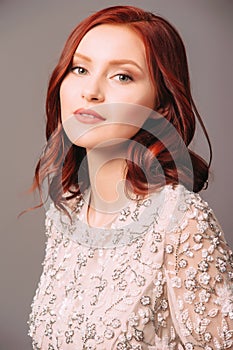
x: 112, y: 62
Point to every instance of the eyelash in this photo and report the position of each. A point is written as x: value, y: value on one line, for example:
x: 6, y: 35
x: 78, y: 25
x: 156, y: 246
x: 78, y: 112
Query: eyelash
x: 78, y: 67
x: 129, y: 78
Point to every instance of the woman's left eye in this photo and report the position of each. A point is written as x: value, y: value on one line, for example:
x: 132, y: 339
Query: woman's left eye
x: 123, y: 78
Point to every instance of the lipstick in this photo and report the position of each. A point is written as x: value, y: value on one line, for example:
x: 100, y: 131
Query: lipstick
x: 88, y: 116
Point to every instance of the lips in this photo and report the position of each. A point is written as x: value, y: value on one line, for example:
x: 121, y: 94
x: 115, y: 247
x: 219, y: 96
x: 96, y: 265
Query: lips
x: 88, y: 116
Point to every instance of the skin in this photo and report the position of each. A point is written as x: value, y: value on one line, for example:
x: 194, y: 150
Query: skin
x: 109, y: 75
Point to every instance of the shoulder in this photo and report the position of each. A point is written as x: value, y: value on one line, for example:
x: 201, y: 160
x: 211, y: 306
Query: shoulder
x: 69, y: 205
x: 60, y: 218
x: 190, y: 209
x: 199, y: 268
x: 198, y: 239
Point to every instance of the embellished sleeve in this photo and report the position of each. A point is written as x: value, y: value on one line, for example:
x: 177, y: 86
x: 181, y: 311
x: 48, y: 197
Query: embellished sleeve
x: 199, y: 271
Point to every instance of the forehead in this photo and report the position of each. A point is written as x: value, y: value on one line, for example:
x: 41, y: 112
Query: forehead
x: 115, y: 40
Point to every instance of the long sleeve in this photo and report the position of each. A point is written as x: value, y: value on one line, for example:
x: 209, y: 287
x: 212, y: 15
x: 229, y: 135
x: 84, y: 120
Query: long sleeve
x: 171, y: 288
x: 199, y: 273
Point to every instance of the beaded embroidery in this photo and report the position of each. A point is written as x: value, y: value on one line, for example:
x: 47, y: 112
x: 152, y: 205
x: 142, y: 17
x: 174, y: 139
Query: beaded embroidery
x: 168, y: 288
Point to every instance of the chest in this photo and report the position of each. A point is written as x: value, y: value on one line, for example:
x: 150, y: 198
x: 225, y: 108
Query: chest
x: 89, y: 293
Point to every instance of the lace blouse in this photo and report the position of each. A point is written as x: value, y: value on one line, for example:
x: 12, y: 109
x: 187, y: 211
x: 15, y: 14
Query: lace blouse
x: 161, y: 278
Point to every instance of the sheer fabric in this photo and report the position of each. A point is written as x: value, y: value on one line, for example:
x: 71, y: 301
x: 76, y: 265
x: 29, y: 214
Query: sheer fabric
x: 167, y: 286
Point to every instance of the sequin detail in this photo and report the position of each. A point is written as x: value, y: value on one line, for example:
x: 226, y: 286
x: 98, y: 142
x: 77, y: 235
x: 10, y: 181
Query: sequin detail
x: 168, y: 289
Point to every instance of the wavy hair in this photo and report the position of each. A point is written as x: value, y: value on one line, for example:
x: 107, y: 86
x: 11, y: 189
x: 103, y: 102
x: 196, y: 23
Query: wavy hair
x: 62, y: 162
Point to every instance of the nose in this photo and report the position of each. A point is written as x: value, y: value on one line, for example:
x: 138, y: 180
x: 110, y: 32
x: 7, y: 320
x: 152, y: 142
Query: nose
x: 93, y: 91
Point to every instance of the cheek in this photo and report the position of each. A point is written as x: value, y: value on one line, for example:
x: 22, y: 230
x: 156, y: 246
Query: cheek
x: 64, y: 96
x: 144, y: 95
x: 148, y: 97
x: 68, y: 97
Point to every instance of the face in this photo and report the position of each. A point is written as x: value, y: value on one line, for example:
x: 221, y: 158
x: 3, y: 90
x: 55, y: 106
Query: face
x: 108, y: 94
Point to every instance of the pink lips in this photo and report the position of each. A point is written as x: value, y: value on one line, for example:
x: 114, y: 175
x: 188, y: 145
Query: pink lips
x: 88, y: 116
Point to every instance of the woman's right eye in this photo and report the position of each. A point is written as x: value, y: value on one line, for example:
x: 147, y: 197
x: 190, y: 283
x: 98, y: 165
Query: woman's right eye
x: 79, y: 70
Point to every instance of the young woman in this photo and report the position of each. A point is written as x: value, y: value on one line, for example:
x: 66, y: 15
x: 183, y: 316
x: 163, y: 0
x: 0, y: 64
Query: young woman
x: 135, y: 259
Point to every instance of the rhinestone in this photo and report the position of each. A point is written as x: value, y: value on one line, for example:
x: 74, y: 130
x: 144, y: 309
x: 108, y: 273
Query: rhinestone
x: 183, y: 263
x: 203, y: 266
x: 129, y: 336
x: 147, y: 202
x: 145, y: 300
x: 197, y: 238
x: 109, y: 334
x: 207, y: 336
x: 116, y: 323
x: 169, y: 249
x: 189, y: 346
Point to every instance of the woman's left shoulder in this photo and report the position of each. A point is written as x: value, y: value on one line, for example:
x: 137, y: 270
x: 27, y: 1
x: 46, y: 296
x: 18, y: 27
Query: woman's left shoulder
x: 198, y: 265
x: 190, y: 208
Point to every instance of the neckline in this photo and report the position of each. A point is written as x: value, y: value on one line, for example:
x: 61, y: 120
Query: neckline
x: 131, y: 209
x: 129, y: 226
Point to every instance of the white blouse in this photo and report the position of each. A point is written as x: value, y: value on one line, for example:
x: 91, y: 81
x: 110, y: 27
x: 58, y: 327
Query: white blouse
x: 160, y: 278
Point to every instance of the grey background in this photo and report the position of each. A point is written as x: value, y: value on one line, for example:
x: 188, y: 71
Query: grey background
x: 32, y: 34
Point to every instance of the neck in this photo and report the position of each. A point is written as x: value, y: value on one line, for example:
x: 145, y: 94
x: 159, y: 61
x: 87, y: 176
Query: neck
x: 107, y: 167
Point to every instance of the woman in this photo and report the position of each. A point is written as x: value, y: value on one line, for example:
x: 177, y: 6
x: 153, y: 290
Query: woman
x: 135, y: 259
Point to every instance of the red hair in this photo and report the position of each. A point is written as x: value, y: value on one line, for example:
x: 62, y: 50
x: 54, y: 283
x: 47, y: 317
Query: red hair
x: 62, y: 161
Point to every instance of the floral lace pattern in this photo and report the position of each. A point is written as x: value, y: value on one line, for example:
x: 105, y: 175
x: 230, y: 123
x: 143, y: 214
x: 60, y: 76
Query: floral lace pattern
x: 170, y: 288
